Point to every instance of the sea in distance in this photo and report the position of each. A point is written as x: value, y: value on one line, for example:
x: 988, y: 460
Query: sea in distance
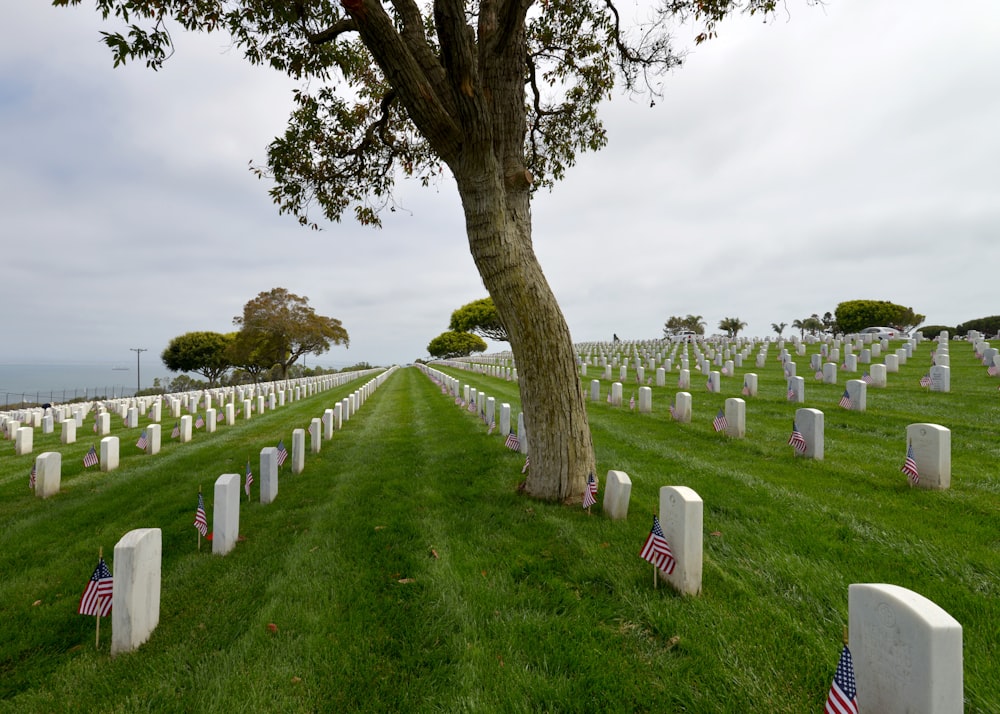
x: 60, y: 382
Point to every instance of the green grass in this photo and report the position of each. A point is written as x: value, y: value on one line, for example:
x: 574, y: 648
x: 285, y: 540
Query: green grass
x: 506, y: 604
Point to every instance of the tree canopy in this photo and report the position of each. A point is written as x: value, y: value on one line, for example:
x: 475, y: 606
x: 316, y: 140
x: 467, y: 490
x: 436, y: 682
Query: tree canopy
x: 987, y: 325
x: 731, y: 325
x: 856, y: 315
x: 449, y: 345
x: 281, y: 327
x: 481, y: 317
x: 501, y: 94
x: 676, y: 324
x: 204, y: 353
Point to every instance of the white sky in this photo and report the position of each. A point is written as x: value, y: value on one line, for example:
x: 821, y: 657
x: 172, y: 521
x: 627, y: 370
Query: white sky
x: 836, y: 153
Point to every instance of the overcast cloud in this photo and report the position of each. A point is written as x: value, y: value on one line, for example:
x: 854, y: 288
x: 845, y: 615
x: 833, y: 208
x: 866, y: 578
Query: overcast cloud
x: 838, y: 152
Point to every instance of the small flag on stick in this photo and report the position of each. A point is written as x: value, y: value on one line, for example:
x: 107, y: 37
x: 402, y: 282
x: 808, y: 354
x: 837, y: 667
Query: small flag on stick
x: 719, y: 423
x: 143, y: 441
x: 177, y: 430
x: 796, y: 440
x: 200, y: 519
x: 91, y: 458
x: 282, y: 452
x: 845, y: 401
x: 249, y: 480
x: 590, y: 493
x: 96, y: 599
x: 33, y: 475
x: 910, y: 465
x: 512, y: 442
x: 843, y: 697
x: 656, y: 549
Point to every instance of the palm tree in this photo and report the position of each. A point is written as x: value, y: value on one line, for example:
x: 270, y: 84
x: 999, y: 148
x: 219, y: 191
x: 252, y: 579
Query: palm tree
x: 779, y: 327
x: 800, y: 326
x: 731, y: 325
x: 695, y: 323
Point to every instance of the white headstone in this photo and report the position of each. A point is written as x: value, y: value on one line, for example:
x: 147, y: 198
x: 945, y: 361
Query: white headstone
x: 616, y: 395
x: 932, y: 454
x: 48, y: 474
x: 135, y: 599
x: 891, y: 363
x: 830, y: 373
x: 809, y: 422
x: 907, y: 652
x: 940, y: 378
x: 684, y: 379
x: 315, y: 435
x: 857, y: 390
x: 298, y: 450
x: 736, y: 410
x: 153, y: 439
x: 617, y: 492
x: 328, y: 424
x: 67, y: 434
x: 226, y: 513
x: 681, y: 518
x: 268, y: 474
x: 682, y: 407
x: 109, y: 453
x: 645, y: 400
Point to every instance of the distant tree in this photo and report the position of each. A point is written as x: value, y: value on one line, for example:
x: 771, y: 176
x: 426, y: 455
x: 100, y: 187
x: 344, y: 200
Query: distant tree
x: 675, y: 324
x: 251, y: 353
x: 449, y: 345
x: 829, y: 323
x: 812, y: 324
x: 283, y: 327
x: 731, y: 326
x: 480, y: 317
x: 357, y: 367
x: 856, y: 315
x: 800, y: 326
x: 932, y: 331
x: 183, y: 383
x: 779, y: 327
x: 204, y: 353
x: 989, y: 326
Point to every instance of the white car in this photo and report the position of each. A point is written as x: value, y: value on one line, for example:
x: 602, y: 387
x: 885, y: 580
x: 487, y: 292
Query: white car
x: 882, y: 333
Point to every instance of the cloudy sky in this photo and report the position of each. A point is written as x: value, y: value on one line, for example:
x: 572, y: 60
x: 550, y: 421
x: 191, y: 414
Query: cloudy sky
x: 835, y: 153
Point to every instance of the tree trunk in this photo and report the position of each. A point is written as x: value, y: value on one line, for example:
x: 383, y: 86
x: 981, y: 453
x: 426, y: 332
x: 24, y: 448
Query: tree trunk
x: 498, y: 223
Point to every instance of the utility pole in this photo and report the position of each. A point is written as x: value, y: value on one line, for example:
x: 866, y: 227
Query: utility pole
x: 138, y: 375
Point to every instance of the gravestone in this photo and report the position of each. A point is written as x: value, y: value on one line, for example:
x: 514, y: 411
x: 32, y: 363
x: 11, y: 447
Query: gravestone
x: 932, y: 454
x: 851, y: 363
x: 640, y: 375
x: 522, y: 434
x: 790, y: 369
x: 48, y: 424
x: 132, y: 420
x: 260, y: 404
x: 681, y: 517
x: 48, y: 474
x: 103, y: 424
x: 796, y: 390
x: 617, y: 492
x: 135, y: 595
x: 878, y: 376
x: 858, y: 393
x: 247, y: 409
x: 504, y: 419
x: 829, y: 373
x: 901, y: 356
x: 338, y: 416
x: 67, y: 432
x: 153, y: 435
x: 816, y: 362
x: 109, y: 453
x: 210, y: 421
x: 940, y: 378
x: 736, y: 410
x: 327, y: 424
x: 491, y: 410
x: 298, y: 450
x: 865, y: 356
x: 645, y: 400
x: 226, y: 513
x: 345, y: 405
x: 268, y: 474
x: 809, y: 422
x: 712, y: 384
x: 185, y: 428
x: 892, y: 363
x: 230, y: 414
x: 684, y: 379
x: 907, y: 652
x: 595, y: 390
x: 682, y: 407
x: 750, y: 384
x: 876, y: 350
x: 616, y: 395
x: 315, y: 434
x: 661, y: 376
x: 156, y: 412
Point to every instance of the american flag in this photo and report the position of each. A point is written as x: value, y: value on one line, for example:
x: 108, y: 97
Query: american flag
x: 673, y: 411
x: 843, y: 697
x: 143, y: 441
x: 708, y: 384
x: 845, y: 400
x: 96, y: 598
x: 91, y: 458
x: 796, y: 440
x: 993, y: 370
x: 282, y: 452
x: 746, y: 388
x: 199, y: 422
x: 512, y: 443
x: 719, y: 423
x: 818, y: 375
x: 177, y: 430
x: 791, y: 391
x: 590, y: 493
x: 609, y: 395
x: 656, y: 549
x: 33, y: 475
x: 200, y: 520
x: 527, y: 463
x: 493, y: 426
x: 910, y: 465
x: 867, y: 378
x: 631, y: 402
x: 249, y: 479
x: 925, y: 381
x: 725, y: 371
x: 843, y: 365
x: 95, y: 423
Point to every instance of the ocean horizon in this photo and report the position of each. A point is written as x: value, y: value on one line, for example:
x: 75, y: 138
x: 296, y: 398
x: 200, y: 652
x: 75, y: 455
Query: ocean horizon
x: 61, y: 382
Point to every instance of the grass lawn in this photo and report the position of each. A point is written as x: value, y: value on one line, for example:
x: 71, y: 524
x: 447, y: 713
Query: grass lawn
x: 402, y: 571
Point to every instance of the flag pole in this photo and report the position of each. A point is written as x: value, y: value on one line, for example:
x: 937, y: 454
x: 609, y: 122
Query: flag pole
x: 845, y: 636
x: 97, y: 635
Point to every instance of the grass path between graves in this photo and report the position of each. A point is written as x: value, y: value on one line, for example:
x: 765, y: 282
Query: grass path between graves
x: 402, y: 571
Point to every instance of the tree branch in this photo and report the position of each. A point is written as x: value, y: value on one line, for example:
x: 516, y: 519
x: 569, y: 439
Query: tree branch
x: 333, y: 32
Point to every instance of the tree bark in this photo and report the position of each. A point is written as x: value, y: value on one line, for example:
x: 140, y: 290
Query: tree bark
x: 498, y: 223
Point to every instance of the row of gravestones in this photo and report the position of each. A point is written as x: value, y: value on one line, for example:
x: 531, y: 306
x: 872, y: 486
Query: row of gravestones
x: 135, y: 610
x: 476, y: 400
x: 48, y: 465
x: 907, y: 649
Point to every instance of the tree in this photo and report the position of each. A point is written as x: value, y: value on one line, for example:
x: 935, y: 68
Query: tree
x: 779, y: 327
x: 676, y: 324
x: 856, y: 315
x: 987, y: 325
x: 932, y: 331
x: 731, y: 325
x: 281, y: 327
x: 800, y: 326
x: 480, y: 317
x: 204, y: 353
x: 501, y: 93
x: 449, y: 345
x: 251, y: 353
